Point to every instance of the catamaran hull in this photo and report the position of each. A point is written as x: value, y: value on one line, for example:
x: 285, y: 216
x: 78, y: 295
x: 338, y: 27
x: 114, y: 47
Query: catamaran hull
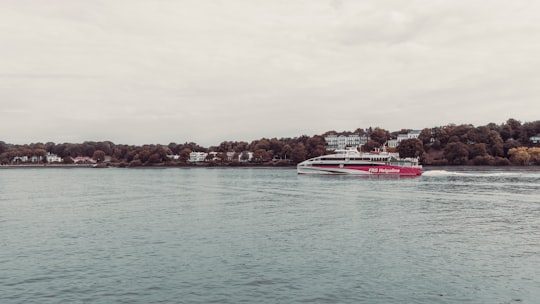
x: 360, y: 170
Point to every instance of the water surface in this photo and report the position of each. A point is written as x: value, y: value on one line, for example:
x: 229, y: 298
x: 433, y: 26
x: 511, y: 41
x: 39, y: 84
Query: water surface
x: 243, y: 235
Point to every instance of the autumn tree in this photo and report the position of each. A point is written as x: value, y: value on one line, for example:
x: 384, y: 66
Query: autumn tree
x: 478, y: 150
x: 425, y: 136
x: 184, y: 154
x: 506, y: 132
x: 370, y: 145
x: 379, y: 136
x: 261, y: 155
x: 105, y: 146
x: 41, y: 153
x: 515, y: 126
x: 456, y: 153
x: 286, y: 152
x: 528, y: 130
x: 143, y: 155
x: 535, y: 155
x: 299, y: 153
x: 3, y: 147
x: 99, y: 156
x: 410, y: 148
x: 519, y: 156
x: 316, y: 146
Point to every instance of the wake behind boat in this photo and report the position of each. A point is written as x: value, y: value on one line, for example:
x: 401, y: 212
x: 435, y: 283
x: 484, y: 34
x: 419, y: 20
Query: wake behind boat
x: 354, y: 162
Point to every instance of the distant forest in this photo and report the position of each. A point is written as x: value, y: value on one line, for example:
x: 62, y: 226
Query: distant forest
x: 509, y: 143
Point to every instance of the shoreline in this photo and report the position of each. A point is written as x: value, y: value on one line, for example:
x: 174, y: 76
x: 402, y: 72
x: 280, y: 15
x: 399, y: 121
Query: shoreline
x: 158, y: 166
x: 44, y: 166
x: 225, y: 166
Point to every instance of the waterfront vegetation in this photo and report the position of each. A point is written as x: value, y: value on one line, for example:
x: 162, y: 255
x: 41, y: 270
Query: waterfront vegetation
x: 509, y: 143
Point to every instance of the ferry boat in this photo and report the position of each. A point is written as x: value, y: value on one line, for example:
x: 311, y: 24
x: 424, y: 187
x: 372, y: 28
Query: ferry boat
x: 351, y: 161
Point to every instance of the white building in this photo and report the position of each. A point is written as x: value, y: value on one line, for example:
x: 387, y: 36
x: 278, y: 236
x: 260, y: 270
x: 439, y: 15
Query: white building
x: 393, y: 143
x: 402, y: 137
x: 36, y: 158
x: 413, y: 134
x: 535, y: 139
x: 53, y: 158
x: 335, y: 142
x: 20, y: 159
x: 83, y: 160
x: 230, y: 156
x: 245, y: 156
x: 196, y: 157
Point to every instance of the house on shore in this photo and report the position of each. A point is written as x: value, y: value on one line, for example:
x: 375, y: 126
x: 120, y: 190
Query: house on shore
x: 199, y: 157
x: 195, y: 157
x: 53, y: 158
x: 83, y: 160
x: 393, y: 143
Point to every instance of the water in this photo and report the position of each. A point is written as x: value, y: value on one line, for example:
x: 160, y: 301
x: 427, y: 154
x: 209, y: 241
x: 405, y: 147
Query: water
x: 268, y: 236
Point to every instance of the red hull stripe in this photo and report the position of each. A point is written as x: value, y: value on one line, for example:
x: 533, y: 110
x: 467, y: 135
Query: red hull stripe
x: 378, y: 169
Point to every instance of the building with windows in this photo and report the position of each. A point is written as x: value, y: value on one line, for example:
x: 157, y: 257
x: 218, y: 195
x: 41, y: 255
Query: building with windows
x: 413, y: 134
x: 20, y: 159
x: 393, y: 143
x: 195, y: 157
x: 337, y: 142
x: 53, y: 158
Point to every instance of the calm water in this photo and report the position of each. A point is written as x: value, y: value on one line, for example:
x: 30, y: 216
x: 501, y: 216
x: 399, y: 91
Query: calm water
x: 268, y: 236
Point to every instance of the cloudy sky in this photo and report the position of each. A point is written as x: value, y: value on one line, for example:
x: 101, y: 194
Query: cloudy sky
x: 161, y: 71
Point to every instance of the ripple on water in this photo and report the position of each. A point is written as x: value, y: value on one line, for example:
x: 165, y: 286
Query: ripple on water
x: 245, y: 235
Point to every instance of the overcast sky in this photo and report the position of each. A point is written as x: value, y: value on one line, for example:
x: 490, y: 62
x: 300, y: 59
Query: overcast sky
x: 142, y: 71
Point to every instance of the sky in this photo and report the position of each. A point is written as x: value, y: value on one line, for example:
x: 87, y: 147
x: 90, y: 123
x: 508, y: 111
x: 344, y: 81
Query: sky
x: 162, y: 71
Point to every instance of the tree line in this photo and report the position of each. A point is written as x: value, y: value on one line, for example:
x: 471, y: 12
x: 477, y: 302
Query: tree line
x: 274, y: 151
x: 493, y: 144
x: 505, y: 144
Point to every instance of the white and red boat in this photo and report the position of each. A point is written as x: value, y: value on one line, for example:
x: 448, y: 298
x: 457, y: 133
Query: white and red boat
x: 353, y: 162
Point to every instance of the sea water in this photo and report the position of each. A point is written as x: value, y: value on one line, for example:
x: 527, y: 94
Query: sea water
x: 250, y: 235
